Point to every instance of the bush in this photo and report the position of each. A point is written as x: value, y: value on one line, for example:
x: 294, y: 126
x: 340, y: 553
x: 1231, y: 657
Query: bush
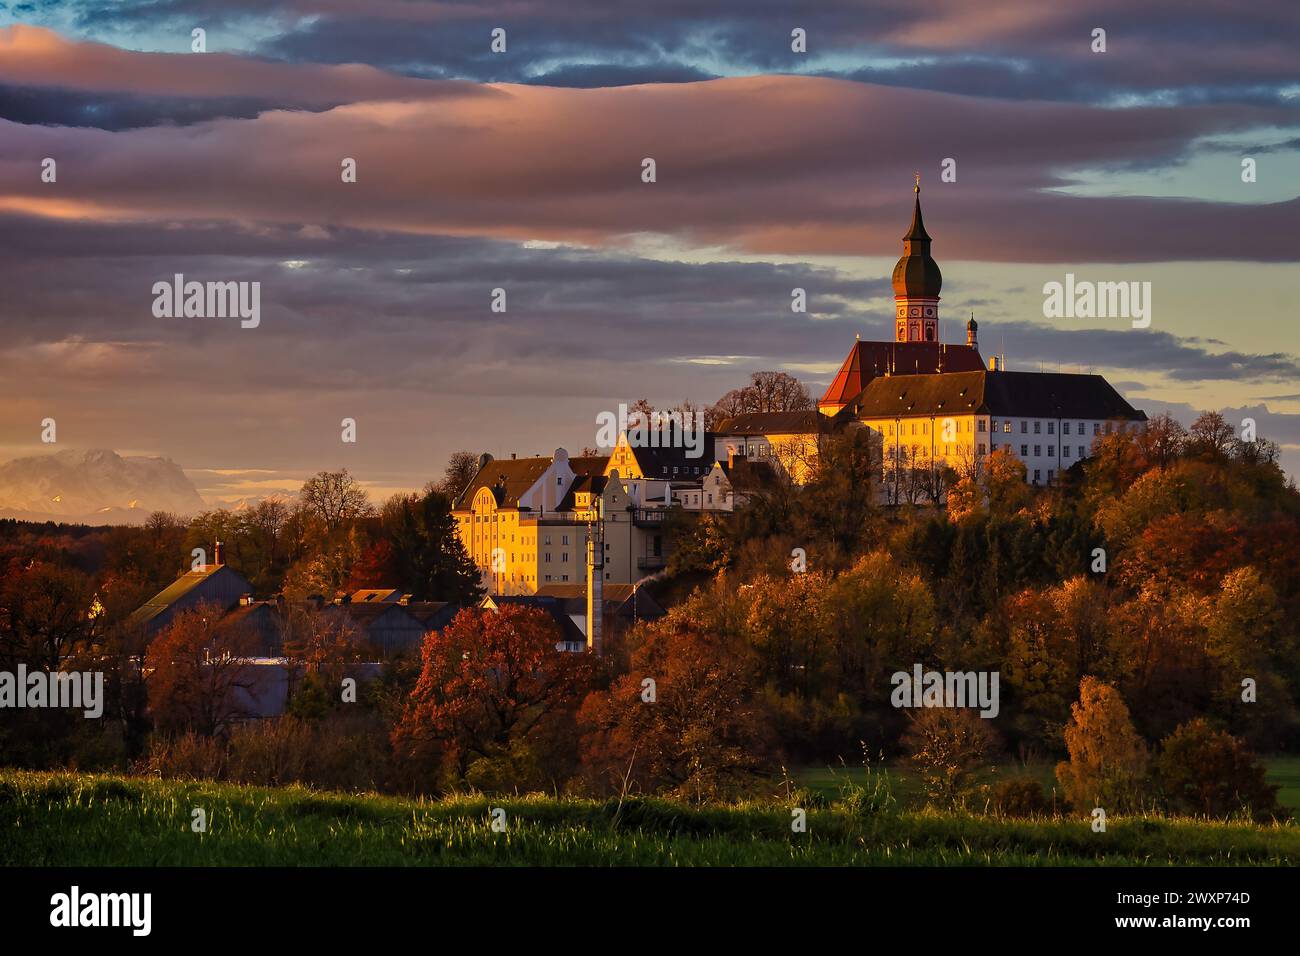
x: 948, y: 746
x: 1211, y: 773
x: 272, y: 753
x: 188, y: 755
x: 1020, y: 797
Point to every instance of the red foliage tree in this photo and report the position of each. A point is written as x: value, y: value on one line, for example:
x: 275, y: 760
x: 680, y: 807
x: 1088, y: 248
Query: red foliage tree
x: 198, y: 673
x: 491, y: 683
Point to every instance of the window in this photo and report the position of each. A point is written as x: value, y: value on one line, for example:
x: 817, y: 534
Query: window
x: 1083, y: 452
x: 1065, y: 451
x: 1024, y: 451
x: 1036, y: 476
x: 564, y: 539
x: 1051, y: 428
x: 981, y: 424
x: 1050, y: 474
x: 1038, y: 450
x: 993, y: 424
x: 981, y: 448
x: 564, y: 557
x: 1024, y: 427
x: 1051, y: 450
x: 547, y: 540
x: 1065, y: 428
x: 1080, y: 428
x: 1006, y: 426
x: 1038, y: 427
x: 548, y: 556
x: 1096, y: 429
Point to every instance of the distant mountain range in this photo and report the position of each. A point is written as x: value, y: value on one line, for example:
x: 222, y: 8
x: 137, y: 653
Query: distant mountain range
x: 94, y: 487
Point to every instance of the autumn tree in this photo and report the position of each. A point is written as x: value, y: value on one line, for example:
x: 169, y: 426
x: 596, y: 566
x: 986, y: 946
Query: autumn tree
x: 1108, y: 760
x: 1003, y: 483
x: 45, y: 614
x: 766, y: 392
x: 1162, y: 441
x: 428, y: 556
x: 493, y: 691
x: 335, y: 497
x: 1210, y: 435
x: 838, y: 506
x: 885, y: 617
x: 461, y: 468
x: 320, y: 644
x: 684, y: 717
x: 198, y: 673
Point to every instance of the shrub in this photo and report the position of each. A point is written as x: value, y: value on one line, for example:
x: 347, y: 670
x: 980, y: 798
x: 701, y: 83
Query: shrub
x: 1020, y: 797
x: 948, y: 746
x: 1206, y: 771
x: 188, y: 755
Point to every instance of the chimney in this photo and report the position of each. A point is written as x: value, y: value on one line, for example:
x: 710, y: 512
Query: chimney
x: 995, y: 363
x: 404, y: 600
x: 218, y: 554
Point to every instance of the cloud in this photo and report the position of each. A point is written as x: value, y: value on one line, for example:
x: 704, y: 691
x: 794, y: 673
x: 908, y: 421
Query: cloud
x: 1150, y: 350
x: 1022, y: 49
x: 772, y: 165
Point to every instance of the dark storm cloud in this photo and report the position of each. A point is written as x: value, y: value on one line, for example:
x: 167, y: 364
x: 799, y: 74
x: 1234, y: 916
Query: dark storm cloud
x: 117, y: 111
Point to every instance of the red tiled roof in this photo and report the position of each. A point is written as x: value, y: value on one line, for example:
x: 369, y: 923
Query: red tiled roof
x: 866, y: 360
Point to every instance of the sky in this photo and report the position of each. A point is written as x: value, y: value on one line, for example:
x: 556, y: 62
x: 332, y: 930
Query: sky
x: 522, y: 170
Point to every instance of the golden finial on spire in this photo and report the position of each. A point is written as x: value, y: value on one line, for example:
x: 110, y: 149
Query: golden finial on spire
x: 918, y: 181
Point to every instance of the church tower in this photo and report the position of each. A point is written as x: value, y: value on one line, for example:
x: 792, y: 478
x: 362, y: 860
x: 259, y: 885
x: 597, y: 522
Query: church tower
x: 917, y: 282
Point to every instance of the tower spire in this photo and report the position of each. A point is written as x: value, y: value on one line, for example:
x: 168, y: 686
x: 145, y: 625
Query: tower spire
x: 917, y: 281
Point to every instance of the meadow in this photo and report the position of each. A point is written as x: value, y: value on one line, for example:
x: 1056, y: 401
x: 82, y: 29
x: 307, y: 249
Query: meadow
x: 1284, y: 771
x: 67, y: 819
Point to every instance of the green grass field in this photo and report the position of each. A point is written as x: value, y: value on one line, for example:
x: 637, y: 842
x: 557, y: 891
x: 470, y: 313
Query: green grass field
x: 827, y: 781
x: 62, y: 819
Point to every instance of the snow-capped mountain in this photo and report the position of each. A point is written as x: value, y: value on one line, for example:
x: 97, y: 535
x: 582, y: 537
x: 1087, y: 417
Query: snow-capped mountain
x: 94, y: 487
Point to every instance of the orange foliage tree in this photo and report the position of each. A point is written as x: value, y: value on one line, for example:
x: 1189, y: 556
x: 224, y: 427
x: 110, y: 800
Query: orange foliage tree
x: 682, y: 718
